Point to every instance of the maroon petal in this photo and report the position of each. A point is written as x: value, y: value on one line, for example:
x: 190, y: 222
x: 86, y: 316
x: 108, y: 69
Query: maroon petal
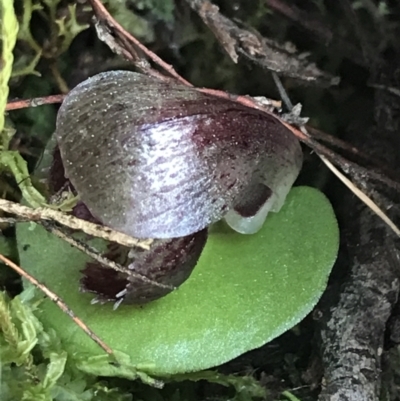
x: 160, y: 160
x: 169, y: 262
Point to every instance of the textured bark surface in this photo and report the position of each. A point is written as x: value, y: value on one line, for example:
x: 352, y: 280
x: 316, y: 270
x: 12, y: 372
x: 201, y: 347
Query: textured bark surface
x: 352, y: 334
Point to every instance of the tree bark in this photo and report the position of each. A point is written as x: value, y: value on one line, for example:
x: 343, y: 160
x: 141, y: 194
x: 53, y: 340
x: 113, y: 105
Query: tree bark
x: 352, y: 331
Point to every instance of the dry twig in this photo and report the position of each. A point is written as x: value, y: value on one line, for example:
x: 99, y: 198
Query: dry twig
x: 256, y: 48
x: 59, y: 302
x: 372, y: 205
x: 94, y: 230
x: 97, y: 256
x: 37, y: 101
x: 124, y: 40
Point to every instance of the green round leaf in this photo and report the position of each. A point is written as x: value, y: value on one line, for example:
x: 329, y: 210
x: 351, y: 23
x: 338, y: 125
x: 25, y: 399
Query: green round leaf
x: 245, y: 291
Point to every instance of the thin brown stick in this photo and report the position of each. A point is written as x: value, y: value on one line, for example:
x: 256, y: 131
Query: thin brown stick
x: 333, y: 140
x: 59, y: 302
x: 104, y: 34
x: 103, y: 15
x: 96, y: 255
x: 375, y: 171
x: 354, y: 170
x: 245, y: 100
x: 37, y: 101
x: 95, y: 230
x: 361, y: 195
